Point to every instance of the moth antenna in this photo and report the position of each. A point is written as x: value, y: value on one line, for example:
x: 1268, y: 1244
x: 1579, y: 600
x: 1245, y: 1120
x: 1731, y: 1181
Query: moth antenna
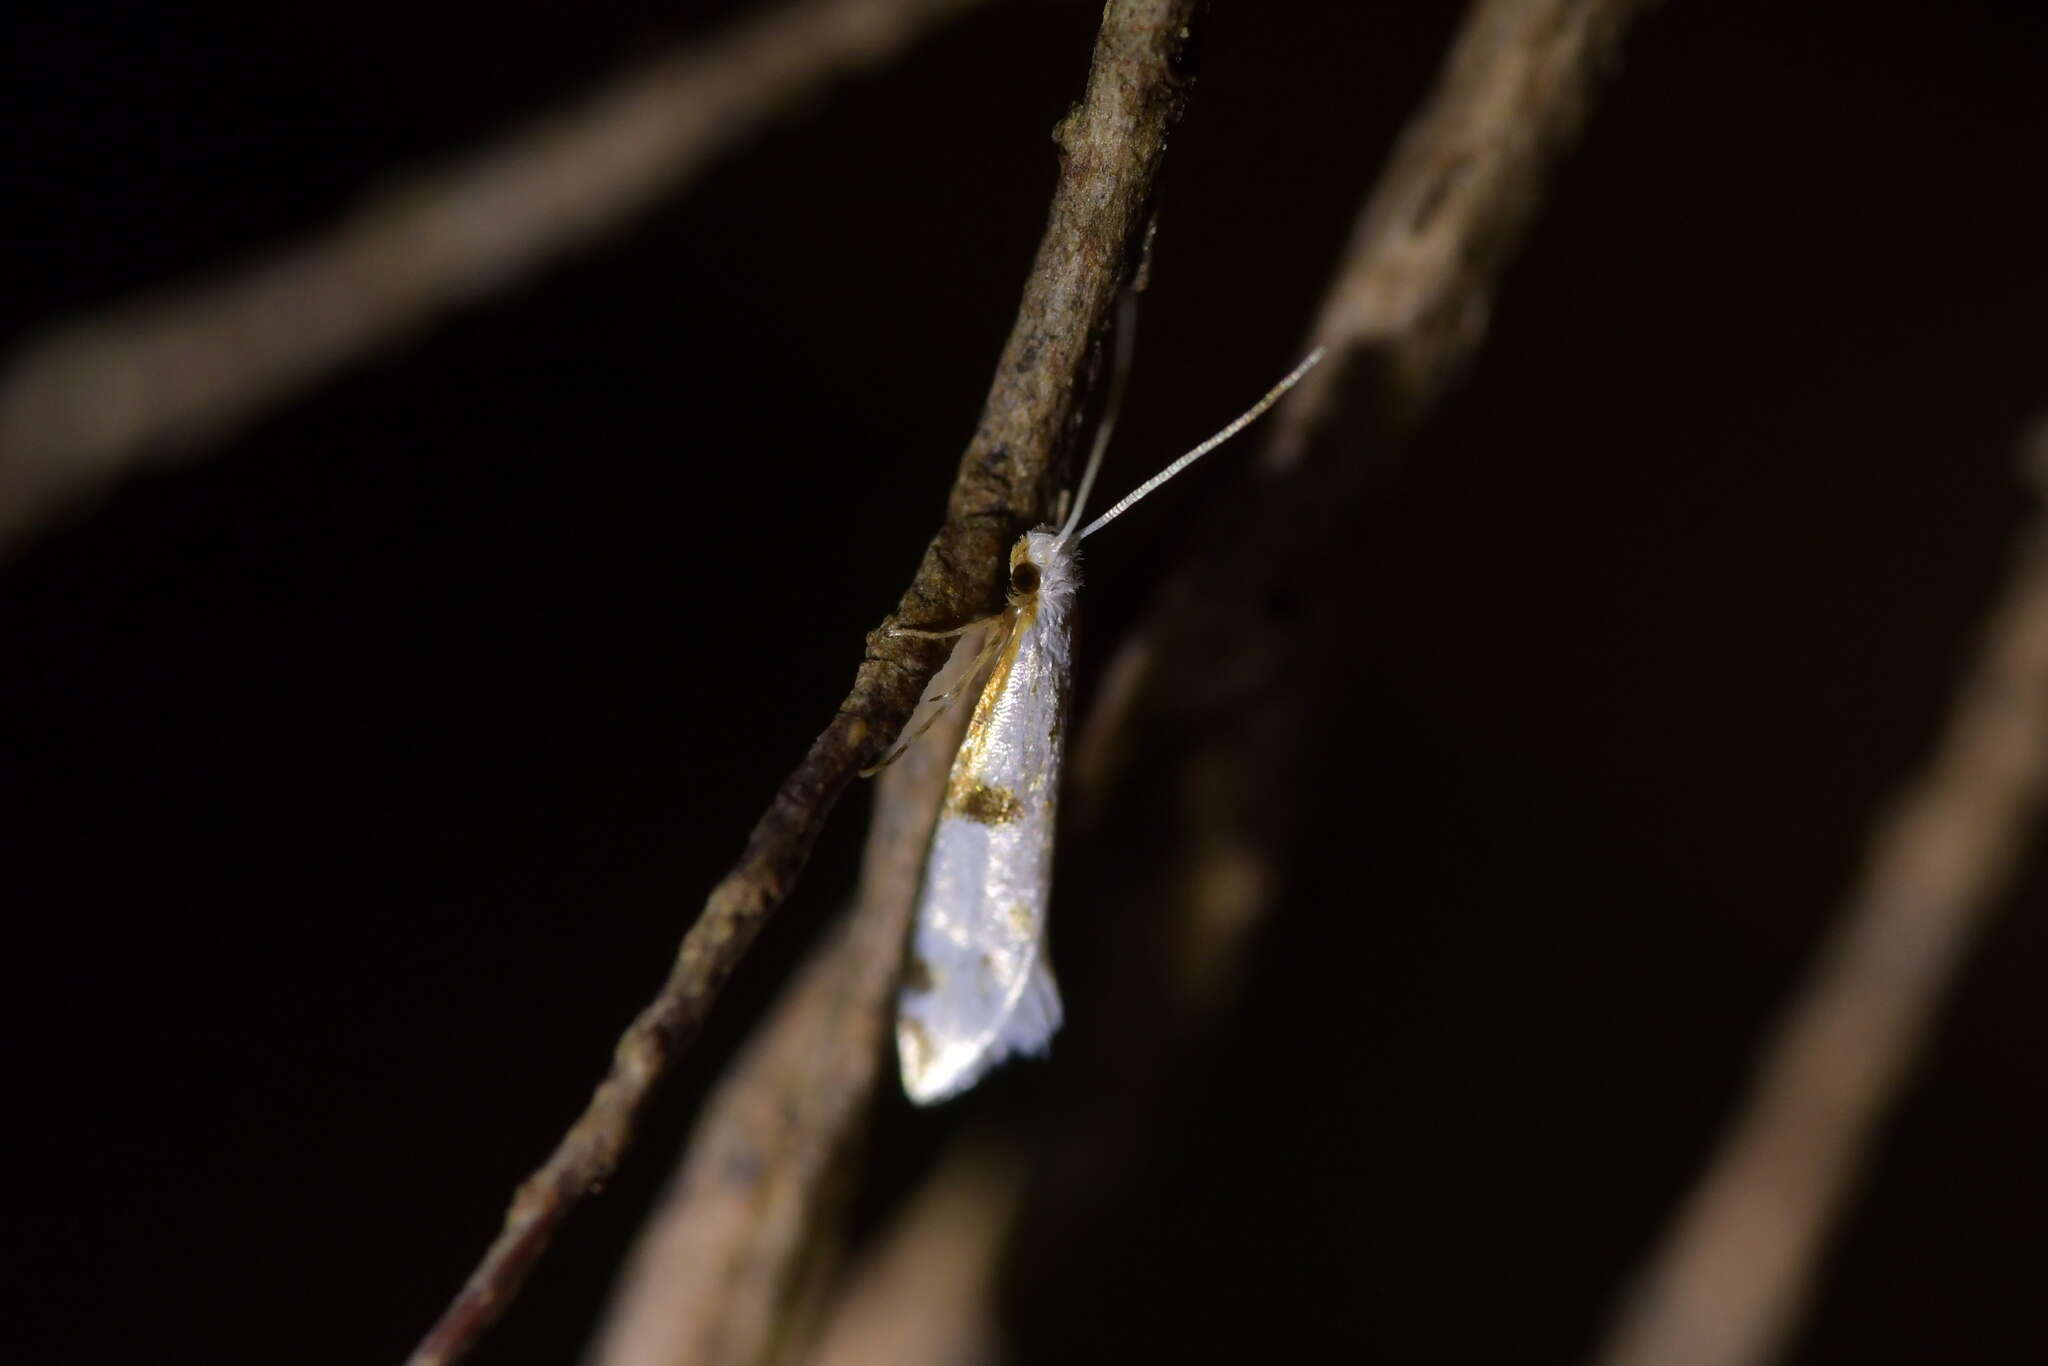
x: 1243, y: 420
x: 1119, y: 377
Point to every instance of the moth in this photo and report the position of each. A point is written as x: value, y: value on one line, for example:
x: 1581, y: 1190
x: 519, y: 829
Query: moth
x: 978, y: 986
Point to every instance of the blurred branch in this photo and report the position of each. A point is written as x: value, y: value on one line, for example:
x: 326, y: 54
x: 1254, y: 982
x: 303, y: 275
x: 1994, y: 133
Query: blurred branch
x: 1406, y: 310
x: 1410, y: 304
x: 736, y: 1238
x: 925, y: 1297
x: 1727, y: 1282
x: 1234, y: 667
x: 158, y: 377
x: 1113, y: 143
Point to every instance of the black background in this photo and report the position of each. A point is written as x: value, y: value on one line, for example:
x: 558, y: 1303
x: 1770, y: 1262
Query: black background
x: 360, y: 778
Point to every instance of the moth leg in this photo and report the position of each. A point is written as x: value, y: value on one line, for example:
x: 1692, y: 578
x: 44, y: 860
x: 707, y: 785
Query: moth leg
x: 918, y: 633
x: 943, y: 701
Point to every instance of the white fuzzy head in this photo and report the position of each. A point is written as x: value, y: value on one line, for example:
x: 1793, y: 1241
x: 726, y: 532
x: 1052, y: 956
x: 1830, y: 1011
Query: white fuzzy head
x: 1044, y: 566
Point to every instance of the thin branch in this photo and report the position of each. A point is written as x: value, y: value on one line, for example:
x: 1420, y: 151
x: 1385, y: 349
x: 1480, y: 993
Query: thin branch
x: 156, y: 378
x: 1727, y: 1283
x: 1113, y: 144
x: 732, y: 1246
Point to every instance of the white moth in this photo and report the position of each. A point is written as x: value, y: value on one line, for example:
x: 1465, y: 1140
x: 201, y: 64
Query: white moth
x: 979, y: 983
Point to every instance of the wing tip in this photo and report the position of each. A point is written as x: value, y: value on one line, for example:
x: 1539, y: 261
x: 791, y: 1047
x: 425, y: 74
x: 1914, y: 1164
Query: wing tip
x: 935, y: 1071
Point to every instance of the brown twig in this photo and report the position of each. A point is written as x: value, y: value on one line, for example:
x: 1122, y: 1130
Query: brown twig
x: 1726, y: 1284
x: 156, y: 378
x: 1112, y: 145
x: 727, y: 1251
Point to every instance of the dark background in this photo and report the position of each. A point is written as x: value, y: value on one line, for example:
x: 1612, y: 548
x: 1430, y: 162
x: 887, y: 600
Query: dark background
x: 359, y: 779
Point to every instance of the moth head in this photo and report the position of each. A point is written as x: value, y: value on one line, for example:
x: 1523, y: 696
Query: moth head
x: 1040, y: 563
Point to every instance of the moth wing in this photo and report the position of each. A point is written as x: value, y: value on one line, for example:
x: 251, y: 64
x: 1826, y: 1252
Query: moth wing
x: 980, y: 986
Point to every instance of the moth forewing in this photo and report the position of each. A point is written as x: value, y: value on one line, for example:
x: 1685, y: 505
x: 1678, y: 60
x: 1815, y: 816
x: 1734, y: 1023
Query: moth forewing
x: 979, y: 985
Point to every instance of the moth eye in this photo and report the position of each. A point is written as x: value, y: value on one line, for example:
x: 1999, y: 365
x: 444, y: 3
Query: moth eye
x: 1024, y: 578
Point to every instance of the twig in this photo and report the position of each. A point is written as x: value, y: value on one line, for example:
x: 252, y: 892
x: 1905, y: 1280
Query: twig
x: 727, y: 1250
x: 156, y: 378
x: 1112, y: 144
x: 1727, y: 1282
